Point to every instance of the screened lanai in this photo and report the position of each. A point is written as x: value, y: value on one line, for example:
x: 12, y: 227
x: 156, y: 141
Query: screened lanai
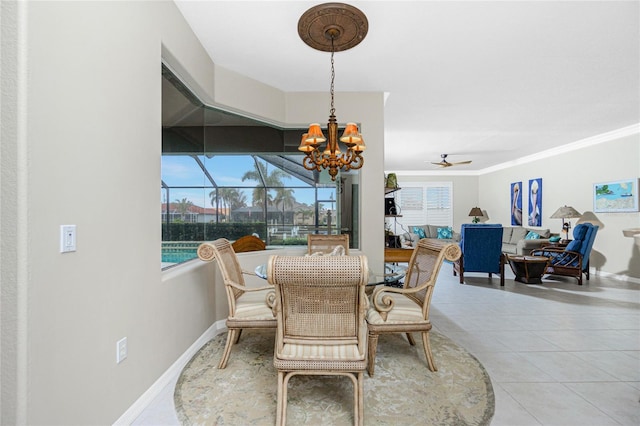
x: 226, y: 175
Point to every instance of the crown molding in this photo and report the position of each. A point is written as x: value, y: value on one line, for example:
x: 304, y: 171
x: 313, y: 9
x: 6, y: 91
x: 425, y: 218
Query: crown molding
x: 573, y: 146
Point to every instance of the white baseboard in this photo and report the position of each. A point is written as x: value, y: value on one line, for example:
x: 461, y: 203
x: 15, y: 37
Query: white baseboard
x: 150, y: 394
x: 618, y: 277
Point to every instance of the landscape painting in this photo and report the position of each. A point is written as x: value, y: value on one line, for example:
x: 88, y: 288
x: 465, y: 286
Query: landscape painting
x: 616, y: 196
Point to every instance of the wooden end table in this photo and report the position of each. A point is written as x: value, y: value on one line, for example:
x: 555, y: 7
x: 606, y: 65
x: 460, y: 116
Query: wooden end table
x: 397, y: 255
x: 528, y: 269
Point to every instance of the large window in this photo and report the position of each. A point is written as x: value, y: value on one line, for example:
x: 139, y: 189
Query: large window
x: 422, y: 203
x: 225, y: 175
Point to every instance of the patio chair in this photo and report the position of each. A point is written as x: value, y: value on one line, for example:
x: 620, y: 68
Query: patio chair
x: 248, y: 243
x: 249, y: 307
x: 572, y: 260
x: 320, y: 309
x: 406, y: 309
x: 481, y: 246
x: 326, y: 244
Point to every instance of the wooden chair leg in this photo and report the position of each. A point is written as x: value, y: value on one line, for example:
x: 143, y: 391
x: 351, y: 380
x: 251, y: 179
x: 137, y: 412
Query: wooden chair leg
x: 372, y: 347
x: 281, y: 406
x: 359, y: 408
x: 427, y: 351
x: 411, y: 340
x: 231, y: 337
x: 238, y: 336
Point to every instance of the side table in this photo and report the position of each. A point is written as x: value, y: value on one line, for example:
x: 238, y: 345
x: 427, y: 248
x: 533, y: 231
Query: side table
x: 528, y: 269
x: 397, y: 254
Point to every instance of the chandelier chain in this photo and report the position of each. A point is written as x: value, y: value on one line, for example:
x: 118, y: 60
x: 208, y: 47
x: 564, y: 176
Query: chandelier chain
x: 332, y: 111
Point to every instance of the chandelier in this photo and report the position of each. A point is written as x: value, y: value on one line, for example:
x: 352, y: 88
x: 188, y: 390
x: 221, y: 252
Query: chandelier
x: 332, y: 27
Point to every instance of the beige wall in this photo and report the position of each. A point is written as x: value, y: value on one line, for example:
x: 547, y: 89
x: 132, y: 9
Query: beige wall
x: 567, y: 179
x: 83, y: 147
x: 92, y: 138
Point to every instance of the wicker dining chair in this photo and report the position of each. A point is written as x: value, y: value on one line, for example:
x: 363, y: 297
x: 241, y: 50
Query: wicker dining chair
x: 326, y: 244
x: 406, y: 309
x: 320, y: 309
x: 249, y: 307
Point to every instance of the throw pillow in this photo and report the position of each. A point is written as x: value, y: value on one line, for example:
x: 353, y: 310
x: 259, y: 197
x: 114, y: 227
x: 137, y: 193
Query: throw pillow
x: 419, y: 232
x: 532, y: 236
x: 579, y: 232
x: 445, y: 233
x: 554, y: 239
x: 574, y: 246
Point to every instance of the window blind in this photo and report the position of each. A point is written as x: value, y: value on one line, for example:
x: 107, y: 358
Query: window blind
x: 424, y: 203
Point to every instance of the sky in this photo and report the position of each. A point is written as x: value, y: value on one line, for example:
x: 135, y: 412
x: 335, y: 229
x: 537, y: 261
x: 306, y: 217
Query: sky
x: 227, y: 171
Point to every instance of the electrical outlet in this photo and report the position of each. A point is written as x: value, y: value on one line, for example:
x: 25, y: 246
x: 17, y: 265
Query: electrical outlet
x: 121, y: 350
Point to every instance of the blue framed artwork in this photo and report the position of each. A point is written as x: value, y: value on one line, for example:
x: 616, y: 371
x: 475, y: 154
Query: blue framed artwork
x: 516, y: 204
x: 616, y: 196
x: 535, y: 202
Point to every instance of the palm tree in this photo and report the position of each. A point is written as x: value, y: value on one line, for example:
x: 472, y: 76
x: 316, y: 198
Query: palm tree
x: 235, y: 199
x: 260, y: 172
x: 183, y: 207
x: 231, y: 199
x: 284, y: 197
x: 215, y: 196
x: 306, y: 212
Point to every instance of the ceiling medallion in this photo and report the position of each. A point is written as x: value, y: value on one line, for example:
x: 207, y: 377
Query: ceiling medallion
x: 343, y: 23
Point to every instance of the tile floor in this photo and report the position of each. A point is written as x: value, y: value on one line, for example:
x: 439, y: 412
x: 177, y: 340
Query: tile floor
x: 557, y: 353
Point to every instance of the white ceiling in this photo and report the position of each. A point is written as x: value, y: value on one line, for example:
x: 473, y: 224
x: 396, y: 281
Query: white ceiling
x: 484, y: 81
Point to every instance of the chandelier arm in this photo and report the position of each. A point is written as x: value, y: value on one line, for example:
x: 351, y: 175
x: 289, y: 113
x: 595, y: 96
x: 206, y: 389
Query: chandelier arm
x: 357, y: 162
x: 310, y: 162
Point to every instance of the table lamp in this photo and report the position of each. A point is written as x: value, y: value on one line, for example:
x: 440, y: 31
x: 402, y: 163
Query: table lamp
x: 475, y: 212
x: 566, y: 212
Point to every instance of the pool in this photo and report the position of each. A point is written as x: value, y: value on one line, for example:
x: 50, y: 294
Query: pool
x: 178, y: 256
x: 178, y: 251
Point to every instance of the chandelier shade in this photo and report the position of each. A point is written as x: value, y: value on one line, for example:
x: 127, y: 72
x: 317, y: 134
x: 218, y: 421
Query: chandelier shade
x: 332, y: 27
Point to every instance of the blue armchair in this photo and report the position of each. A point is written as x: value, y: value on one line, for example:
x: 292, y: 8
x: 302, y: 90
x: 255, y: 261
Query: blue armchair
x: 572, y: 260
x: 481, y: 246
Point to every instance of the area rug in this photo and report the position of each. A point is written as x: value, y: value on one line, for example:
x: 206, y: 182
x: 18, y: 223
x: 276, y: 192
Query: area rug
x: 402, y: 392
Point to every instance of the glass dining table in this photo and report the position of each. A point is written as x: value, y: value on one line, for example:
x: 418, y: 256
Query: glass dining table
x: 393, y: 275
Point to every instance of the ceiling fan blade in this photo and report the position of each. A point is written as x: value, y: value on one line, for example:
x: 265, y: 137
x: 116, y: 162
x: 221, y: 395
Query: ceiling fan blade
x: 463, y: 162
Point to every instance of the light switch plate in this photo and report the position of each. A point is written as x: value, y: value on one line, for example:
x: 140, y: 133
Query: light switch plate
x: 67, y: 238
x: 121, y: 350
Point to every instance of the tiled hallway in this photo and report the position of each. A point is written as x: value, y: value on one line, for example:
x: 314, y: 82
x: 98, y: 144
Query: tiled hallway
x: 557, y: 353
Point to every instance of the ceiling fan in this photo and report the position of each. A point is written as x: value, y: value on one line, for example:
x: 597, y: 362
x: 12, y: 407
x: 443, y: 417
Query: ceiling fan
x: 445, y: 163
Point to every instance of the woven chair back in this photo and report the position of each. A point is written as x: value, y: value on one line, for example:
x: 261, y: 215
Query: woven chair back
x: 229, y: 265
x: 325, y: 244
x: 425, y: 265
x: 321, y: 298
